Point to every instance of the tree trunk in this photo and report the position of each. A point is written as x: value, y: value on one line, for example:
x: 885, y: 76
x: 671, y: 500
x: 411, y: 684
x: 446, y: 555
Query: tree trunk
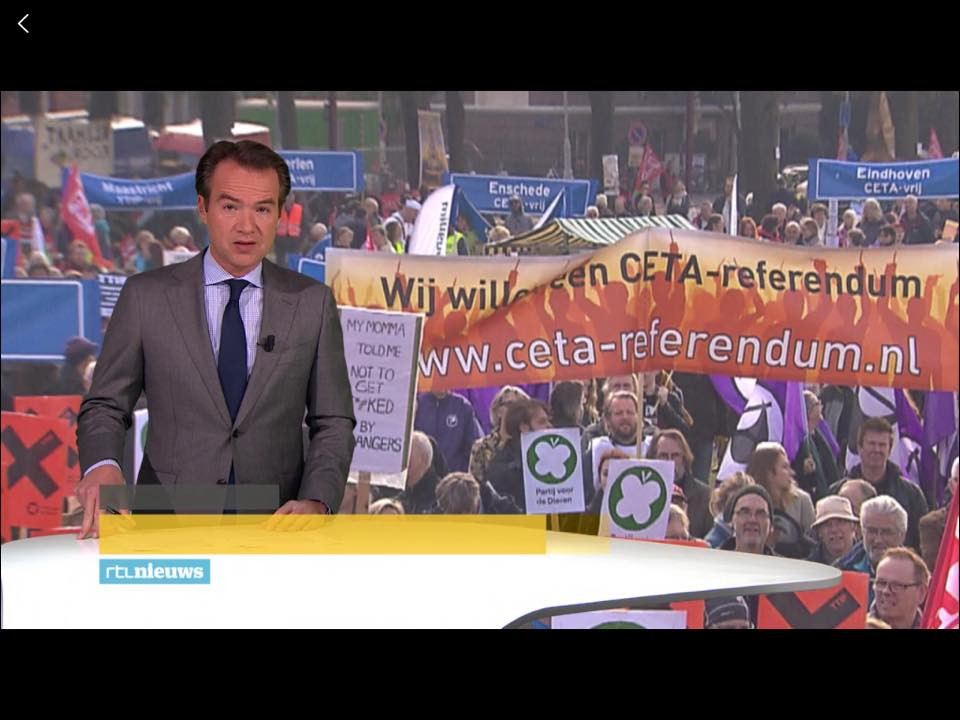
x: 905, y: 114
x: 760, y: 117
x: 411, y: 135
x: 945, y: 118
x: 829, y: 126
x: 103, y: 104
x: 154, y: 105
x: 287, y: 116
x: 30, y: 103
x: 333, y: 123
x: 456, y: 118
x: 218, y: 111
x: 601, y: 131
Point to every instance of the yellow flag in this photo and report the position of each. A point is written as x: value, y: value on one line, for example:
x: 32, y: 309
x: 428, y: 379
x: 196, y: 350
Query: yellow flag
x: 881, y: 137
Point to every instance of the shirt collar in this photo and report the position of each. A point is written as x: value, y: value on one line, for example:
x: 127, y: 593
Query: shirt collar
x: 214, y: 274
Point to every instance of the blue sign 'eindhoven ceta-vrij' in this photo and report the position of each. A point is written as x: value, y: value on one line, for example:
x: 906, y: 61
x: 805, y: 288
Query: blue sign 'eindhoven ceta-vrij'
x: 327, y: 171
x: 492, y: 193
x: 838, y: 180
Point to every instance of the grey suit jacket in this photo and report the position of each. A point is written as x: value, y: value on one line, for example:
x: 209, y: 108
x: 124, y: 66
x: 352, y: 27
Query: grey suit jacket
x: 158, y: 342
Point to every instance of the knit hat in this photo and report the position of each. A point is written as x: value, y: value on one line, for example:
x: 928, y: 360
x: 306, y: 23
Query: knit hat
x: 720, y: 610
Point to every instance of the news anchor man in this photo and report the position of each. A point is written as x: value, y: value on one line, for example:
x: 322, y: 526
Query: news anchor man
x: 232, y: 351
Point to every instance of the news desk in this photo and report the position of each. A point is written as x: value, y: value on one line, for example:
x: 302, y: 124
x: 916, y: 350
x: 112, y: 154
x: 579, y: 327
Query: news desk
x: 54, y: 582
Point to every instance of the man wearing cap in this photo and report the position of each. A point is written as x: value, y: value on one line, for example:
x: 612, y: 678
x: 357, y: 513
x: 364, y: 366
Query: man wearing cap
x: 836, y: 528
x: 407, y: 216
x: 752, y: 512
x: 726, y: 614
x: 78, y: 353
x: 516, y: 222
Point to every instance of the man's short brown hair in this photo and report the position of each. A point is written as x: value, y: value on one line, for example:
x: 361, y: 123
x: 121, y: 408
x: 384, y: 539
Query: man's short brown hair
x: 874, y: 425
x: 921, y: 573
x: 246, y: 153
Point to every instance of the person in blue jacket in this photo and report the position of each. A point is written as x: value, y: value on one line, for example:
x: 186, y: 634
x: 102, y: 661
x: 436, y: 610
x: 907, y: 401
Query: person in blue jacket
x: 449, y: 418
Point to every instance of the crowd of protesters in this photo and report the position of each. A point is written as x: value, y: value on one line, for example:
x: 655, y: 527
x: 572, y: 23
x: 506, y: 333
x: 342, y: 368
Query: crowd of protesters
x: 465, y: 456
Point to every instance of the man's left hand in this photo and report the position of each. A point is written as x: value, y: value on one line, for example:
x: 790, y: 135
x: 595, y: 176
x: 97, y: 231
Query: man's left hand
x: 296, y: 507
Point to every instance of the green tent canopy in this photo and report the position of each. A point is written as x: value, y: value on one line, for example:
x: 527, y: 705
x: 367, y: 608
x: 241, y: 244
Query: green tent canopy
x: 572, y: 234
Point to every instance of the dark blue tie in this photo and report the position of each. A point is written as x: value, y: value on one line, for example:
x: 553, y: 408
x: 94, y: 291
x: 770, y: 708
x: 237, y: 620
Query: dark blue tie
x: 232, y: 362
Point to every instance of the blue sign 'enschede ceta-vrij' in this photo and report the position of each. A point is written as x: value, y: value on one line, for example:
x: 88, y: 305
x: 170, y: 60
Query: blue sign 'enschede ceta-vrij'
x: 492, y: 193
x: 838, y: 180
x: 325, y: 171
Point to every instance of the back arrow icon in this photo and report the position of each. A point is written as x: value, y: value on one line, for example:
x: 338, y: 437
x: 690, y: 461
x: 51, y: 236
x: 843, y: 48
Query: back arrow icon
x: 21, y: 23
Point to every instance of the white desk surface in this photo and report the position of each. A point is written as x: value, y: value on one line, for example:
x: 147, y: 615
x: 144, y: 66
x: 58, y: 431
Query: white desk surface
x: 54, y: 582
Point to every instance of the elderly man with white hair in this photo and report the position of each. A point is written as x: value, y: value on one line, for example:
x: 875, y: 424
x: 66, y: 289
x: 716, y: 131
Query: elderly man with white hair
x: 419, y: 494
x: 883, y: 522
x: 917, y: 229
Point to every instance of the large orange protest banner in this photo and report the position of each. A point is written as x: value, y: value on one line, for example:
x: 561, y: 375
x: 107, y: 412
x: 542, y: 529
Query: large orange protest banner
x: 683, y: 300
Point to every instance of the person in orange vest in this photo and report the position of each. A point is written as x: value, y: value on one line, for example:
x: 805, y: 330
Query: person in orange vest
x: 289, y: 229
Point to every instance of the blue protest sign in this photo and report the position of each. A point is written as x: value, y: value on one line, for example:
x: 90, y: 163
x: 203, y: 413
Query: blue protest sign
x: 328, y: 171
x: 39, y: 316
x: 176, y: 192
x: 312, y: 268
x: 837, y: 180
x: 492, y: 193
x: 8, y: 256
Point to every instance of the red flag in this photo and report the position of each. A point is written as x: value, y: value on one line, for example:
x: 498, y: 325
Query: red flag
x: 934, y: 152
x: 650, y: 167
x: 76, y: 213
x: 941, y: 609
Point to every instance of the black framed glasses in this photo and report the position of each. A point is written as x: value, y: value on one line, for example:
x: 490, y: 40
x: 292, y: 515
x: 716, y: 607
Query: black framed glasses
x: 894, y: 587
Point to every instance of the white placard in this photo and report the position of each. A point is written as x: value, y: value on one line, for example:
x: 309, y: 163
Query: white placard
x: 140, y: 421
x: 172, y: 257
x: 636, y: 501
x: 381, y: 348
x: 61, y: 143
x: 599, y: 445
x: 611, y: 174
x: 397, y: 481
x: 552, y: 472
x: 110, y: 287
x: 622, y: 620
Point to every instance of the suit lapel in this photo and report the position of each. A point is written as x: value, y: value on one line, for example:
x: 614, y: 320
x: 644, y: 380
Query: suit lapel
x: 187, y: 302
x: 278, y: 311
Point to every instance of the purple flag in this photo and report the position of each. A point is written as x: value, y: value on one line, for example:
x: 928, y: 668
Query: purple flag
x: 732, y: 392
x: 939, y: 425
x: 794, y: 419
x: 827, y: 434
x: 907, y: 421
x: 939, y: 422
x: 775, y: 412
